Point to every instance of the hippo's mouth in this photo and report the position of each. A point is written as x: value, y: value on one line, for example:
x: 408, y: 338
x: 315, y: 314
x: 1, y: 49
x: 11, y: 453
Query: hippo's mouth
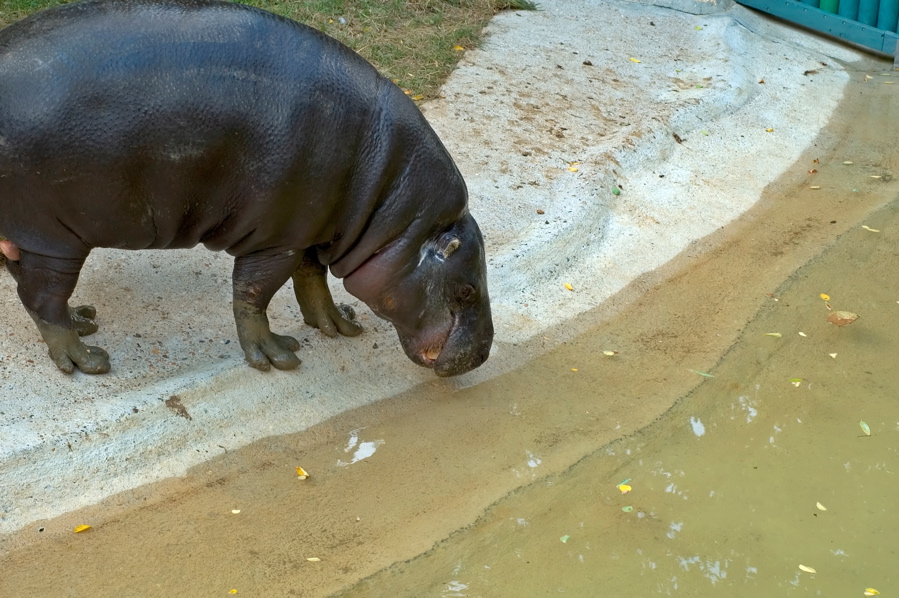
x: 430, y: 355
x: 433, y: 346
x: 449, y: 350
x: 426, y: 349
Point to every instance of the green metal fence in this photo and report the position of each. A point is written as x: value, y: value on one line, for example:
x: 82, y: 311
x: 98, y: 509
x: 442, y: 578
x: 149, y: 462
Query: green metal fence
x: 871, y: 23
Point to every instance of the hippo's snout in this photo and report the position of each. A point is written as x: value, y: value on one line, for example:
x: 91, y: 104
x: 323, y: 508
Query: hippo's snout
x: 452, y: 364
x: 465, y: 347
x: 468, y: 344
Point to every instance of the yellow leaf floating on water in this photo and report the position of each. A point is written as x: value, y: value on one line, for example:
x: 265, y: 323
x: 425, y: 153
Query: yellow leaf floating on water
x: 81, y: 528
x: 825, y: 296
x: 807, y: 569
x: 568, y: 286
x: 624, y: 488
x: 820, y: 506
x: 871, y: 592
x: 632, y: 59
x: 301, y: 473
x: 232, y: 591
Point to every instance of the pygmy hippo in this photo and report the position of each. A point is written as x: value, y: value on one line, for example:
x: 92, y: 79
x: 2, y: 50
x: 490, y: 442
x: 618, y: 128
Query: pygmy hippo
x: 155, y: 124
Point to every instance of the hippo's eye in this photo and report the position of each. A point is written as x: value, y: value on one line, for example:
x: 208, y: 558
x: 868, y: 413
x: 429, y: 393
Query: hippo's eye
x: 465, y: 293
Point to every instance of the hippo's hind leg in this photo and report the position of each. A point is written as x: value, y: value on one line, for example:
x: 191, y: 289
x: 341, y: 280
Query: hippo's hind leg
x: 256, y: 279
x: 311, y: 289
x: 45, y: 285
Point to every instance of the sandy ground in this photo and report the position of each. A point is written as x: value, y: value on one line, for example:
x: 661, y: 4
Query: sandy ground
x: 517, y: 115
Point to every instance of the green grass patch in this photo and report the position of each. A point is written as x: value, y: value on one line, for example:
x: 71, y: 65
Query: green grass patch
x: 413, y: 42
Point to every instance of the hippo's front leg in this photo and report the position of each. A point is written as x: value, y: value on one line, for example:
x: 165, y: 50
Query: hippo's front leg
x: 310, y: 287
x: 45, y: 285
x: 256, y: 279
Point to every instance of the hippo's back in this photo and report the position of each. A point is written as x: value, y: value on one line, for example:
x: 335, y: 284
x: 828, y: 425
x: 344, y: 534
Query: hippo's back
x: 169, y: 114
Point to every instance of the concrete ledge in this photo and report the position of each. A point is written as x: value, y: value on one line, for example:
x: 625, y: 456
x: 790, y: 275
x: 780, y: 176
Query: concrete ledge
x: 693, y: 7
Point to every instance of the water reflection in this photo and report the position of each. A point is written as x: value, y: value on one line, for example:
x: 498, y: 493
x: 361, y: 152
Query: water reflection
x: 698, y: 428
x: 781, y: 450
x: 360, y: 450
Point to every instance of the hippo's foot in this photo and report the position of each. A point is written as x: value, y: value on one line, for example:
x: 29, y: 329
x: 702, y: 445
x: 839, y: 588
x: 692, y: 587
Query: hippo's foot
x: 83, y: 319
x: 263, y: 348
x: 332, y: 319
x: 310, y: 286
x: 88, y: 359
x: 68, y: 352
x: 272, y: 350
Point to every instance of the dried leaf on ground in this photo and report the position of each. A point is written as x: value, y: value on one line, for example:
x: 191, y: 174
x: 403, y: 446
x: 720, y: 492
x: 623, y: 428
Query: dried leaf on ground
x: 841, y: 318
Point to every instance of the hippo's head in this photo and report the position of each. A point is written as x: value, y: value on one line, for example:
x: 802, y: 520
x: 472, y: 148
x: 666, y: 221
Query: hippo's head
x: 436, y: 299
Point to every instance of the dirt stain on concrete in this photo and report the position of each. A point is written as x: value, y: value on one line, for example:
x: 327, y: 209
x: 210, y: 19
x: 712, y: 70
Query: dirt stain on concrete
x: 174, y: 403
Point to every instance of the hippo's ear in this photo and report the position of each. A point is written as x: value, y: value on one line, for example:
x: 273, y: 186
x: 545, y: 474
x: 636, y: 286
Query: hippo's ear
x: 448, y: 246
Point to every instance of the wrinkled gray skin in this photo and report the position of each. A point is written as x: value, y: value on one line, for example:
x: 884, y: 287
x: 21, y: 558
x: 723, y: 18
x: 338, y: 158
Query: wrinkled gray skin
x: 143, y: 124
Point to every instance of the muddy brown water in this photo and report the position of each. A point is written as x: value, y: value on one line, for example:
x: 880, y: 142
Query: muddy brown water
x: 510, y: 488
